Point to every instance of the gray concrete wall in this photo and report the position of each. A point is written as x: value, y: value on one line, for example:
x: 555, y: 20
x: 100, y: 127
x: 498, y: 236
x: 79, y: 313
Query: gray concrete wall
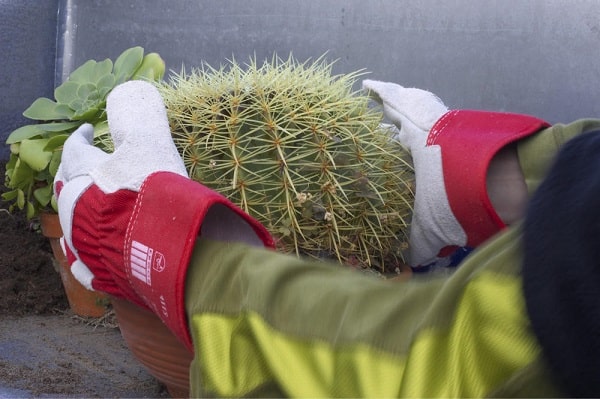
x: 531, y: 56
x: 28, y: 49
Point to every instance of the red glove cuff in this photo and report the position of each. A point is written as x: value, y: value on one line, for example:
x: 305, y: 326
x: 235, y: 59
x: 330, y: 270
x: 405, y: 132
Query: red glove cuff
x: 469, y: 140
x: 158, y: 249
x: 146, y: 252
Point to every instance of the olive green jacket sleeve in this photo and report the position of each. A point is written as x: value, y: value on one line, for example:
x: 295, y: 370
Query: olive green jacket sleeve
x: 266, y: 324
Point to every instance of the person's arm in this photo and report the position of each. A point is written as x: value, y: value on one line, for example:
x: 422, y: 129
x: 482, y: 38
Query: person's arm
x: 264, y: 323
x: 267, y: 324
x: 475, y: 170
x: 130, y: 218
x: 437, y: 338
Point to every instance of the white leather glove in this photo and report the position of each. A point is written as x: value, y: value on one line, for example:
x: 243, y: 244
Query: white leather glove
x: 131, y: 218
x: 451, y: 152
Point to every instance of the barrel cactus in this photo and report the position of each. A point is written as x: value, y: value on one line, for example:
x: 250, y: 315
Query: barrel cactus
x: 297, y: 148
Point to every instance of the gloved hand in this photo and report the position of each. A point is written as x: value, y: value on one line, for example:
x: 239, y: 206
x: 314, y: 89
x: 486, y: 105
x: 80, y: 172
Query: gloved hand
x: 451, y: 152
x: 131, y: 218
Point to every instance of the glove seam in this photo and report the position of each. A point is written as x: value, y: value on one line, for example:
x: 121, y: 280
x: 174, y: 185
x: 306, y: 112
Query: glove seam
x: 129, y: 231
x: 436, y: 130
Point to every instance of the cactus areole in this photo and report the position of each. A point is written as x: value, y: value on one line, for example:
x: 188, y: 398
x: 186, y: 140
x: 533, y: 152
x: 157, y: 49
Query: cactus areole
x: 298, y: 149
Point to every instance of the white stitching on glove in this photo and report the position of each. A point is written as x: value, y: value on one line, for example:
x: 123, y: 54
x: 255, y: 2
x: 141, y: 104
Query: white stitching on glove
x: 414, y: 112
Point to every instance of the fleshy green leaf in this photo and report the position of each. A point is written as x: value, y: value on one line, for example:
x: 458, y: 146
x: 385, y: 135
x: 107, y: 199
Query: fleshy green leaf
x: 24, y: 132
x: 54, y: 203
x: 14, y: 148
x: 152, y: 68
x: 30, y: 210
x: 100, y: 70
x: 10, y: 195
x: 127, y: 63
x: 82, y: 73
x: 91, y: 71
x: 146, y: 74
x: 101, y: 129
x: 95, y: 99
x: 20, y: 199
x: 22, y: 175
x: 12, y: 161
x: 89, y: 114
x: 30, y: 131
x: 57, y: 126
x: 32, y: 152
x: 55, y: 142
x: 54, y: 162
x: 77, y: 105
x: 43, y: 195
x: 43, y: 175
x: 67, y: 92
x: 86, y: 90
x: 44, y: 109
x: 103, y: 92
x: 104, y: 85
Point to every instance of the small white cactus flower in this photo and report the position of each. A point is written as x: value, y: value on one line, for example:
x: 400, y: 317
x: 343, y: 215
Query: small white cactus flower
x: 301, y: 197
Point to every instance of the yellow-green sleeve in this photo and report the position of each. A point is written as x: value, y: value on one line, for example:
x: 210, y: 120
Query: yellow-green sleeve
x: 266, y: 324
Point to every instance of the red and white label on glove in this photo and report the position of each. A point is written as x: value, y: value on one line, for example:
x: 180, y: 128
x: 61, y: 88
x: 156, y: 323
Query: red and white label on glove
x: 145, y: 241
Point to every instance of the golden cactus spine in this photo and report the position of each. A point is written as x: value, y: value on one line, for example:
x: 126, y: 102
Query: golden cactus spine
x: 298, y: 149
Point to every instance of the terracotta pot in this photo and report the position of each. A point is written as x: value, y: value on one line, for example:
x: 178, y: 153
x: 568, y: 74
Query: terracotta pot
x: 82, y: 301
x: 153, y: 344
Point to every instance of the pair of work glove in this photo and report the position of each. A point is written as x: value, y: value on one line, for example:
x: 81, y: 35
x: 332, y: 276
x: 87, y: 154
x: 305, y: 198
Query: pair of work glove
x: 131, y: 218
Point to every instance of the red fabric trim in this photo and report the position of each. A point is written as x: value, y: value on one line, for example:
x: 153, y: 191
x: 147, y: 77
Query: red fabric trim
x: 138, y: 245
x: 160, y: 240
x: 469, y: 140
x: 99, y: 224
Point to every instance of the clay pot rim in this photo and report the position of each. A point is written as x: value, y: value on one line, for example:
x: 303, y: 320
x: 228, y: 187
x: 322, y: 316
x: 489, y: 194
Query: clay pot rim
x: 50, y: 224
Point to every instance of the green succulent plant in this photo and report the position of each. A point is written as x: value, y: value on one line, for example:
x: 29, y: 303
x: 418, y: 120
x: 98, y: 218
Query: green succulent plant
x: 36, y: 148
x: 298, y: 149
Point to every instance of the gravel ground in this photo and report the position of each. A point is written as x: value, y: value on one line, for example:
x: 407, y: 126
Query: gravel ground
x: 61, y: 356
